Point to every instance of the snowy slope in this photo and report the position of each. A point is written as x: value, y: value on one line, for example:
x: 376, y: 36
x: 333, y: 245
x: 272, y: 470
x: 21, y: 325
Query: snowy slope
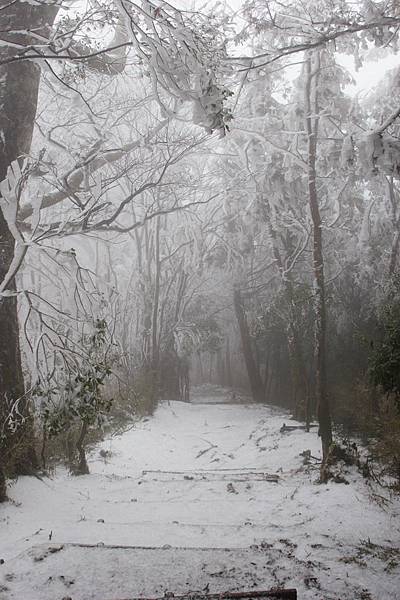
x: 209, y: 518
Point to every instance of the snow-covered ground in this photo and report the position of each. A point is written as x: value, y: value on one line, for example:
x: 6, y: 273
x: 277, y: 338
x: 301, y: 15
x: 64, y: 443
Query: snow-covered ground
x: 181, y: 502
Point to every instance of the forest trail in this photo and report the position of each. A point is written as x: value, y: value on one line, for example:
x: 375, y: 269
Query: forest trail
x: 186, y: 491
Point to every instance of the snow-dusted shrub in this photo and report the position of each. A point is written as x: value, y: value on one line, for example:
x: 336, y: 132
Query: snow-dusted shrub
x: 73, y: 396
x: 385, y: 360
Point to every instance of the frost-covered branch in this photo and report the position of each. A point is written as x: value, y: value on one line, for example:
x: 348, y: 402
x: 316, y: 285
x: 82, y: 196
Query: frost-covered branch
x: 389, y: 121
x: 292, y: 27
x: 73, y: 180
x: 267, y: 58
x: 10, y: 194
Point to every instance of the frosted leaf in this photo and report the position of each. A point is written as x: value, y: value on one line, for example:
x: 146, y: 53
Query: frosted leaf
x: 347, y: 154
x: 379, y: 152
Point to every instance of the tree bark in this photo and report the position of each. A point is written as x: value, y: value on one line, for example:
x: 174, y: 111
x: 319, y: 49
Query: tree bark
x: 19, y: 86
x: 253, y: 372
x: 311, y: 116
x: 155, y: 348
x: 228, y: 367
x: 292, y: 331
x: 299, y: 375
x: 184, y: 379
x: 396, y: 226
x: 82, y: 467
x: 3, y: 486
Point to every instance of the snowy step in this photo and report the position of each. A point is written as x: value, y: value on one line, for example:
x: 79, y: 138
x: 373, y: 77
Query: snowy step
x: 246, y: 474
x: 80, y: 571
x: 278, y: 594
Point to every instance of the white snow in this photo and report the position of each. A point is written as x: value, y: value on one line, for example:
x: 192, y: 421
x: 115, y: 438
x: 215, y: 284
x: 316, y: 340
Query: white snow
x: 208, y: 518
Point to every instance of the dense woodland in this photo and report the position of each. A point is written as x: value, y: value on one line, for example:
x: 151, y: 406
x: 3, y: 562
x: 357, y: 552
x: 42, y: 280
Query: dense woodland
x: 196, y: 194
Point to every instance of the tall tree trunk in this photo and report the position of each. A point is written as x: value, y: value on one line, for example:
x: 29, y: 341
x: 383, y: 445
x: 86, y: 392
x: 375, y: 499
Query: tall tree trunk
x: 266, y: 375
x: 211, y: 367
x: 396, y: 226
x: 253, y: 372
x: 394, y: 251
x: 3, y: 486
x: 201, y: 367
x: 184, y: 379
x: 292, y: 332
x: 155, y: 348
x: 298, y: 369
x: 82, y: 466
x: 311, y: 114
x: 228, y: 366
x: 220, y: 367
x: 19, y: 85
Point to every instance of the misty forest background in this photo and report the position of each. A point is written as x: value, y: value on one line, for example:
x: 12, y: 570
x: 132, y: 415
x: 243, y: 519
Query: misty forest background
x: 191, y: 196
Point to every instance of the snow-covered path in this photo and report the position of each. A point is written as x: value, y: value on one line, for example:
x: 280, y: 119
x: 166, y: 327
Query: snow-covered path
x: 192, y: 477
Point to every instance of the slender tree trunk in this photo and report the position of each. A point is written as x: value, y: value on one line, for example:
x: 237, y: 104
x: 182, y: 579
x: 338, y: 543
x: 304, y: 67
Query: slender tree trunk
x: 82, y: 468
x: 156, y: 299
x: 220, y: 367
x: 394, y: 252
x: 155, y: 349
x: 269, y: 390
x: 19, y: 85
x: 211, y: 367
x: 43, y: 449
x: 184, y: 380
x: 228, y: 367
x: 292, y: 332
x: 266, y: 375
x: 311, y: 112
x: 298, y: 369
x: 3, y: 486
x: 253, y: 372
x: 201, y: 367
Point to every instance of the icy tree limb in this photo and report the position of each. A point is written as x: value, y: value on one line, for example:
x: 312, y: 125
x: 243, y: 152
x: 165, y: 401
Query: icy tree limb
x: 389, y: 121
x: 110, y: 60
x: 74, y: 178
x: 10, y: 190
x: 323, y: 39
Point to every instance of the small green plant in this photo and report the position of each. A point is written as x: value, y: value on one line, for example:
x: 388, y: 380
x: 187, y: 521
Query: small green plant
x: 75, y: 397
x: 385, y: 360
x: 385, y: 374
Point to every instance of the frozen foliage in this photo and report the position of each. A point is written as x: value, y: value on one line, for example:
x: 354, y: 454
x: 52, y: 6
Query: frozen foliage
x: 380, y: 152
x: 75, y: 392
x: 348, y: 152
x: 295, y: 26
x: 184, y: 56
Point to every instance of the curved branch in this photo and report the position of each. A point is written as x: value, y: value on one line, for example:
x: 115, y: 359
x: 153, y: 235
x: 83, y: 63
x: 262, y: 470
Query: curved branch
x: 274, y: 55
x: 74, y: 178
x: 389, y: 121
x: 110, y: 60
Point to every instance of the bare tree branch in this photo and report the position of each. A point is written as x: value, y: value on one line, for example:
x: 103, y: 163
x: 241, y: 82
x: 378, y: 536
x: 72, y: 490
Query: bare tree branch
x: 74, y: 178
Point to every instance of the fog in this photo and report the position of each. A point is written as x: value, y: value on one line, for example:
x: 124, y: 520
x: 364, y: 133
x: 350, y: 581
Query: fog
x: 199, y: 298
